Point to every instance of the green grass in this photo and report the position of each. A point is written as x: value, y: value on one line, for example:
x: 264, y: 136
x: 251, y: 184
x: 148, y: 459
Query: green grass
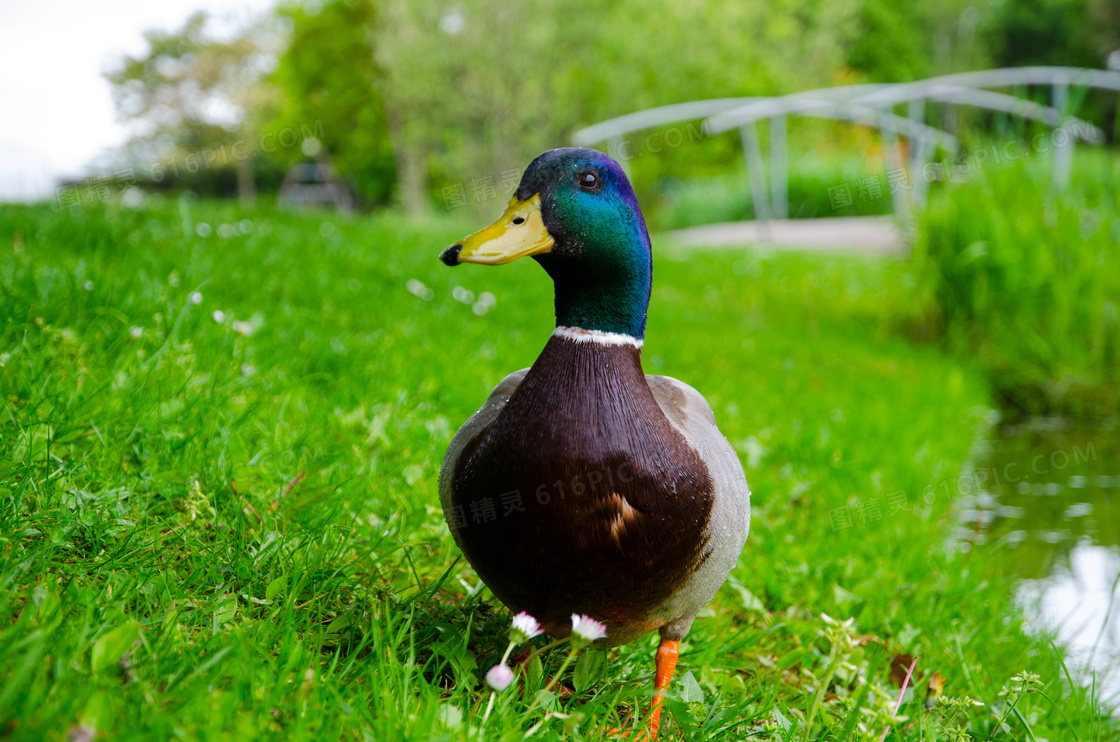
x: 1031, y: 291
x: 214, y: 530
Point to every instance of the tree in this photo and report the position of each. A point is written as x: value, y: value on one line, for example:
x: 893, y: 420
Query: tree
x: 329, y: 81
x: 477, y: 88
x: 191, y: 96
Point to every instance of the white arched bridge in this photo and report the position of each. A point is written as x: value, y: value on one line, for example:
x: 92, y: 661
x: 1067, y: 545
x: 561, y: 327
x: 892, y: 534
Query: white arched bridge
x: 872, y: 105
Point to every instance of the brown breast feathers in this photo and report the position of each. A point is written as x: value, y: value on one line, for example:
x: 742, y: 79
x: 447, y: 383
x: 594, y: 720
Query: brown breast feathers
x: 581, y: 496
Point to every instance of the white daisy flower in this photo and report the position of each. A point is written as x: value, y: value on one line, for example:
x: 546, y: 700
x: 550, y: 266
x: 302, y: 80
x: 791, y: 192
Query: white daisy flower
x: 499, y: 677
x: 525, y: 627
x: 587, y: 629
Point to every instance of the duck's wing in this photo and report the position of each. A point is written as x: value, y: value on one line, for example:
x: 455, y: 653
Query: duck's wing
x: 477, y: 423
x: 691, y: 414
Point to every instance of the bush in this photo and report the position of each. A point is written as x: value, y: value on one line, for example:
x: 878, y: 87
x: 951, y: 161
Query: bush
x: 1027, y: 278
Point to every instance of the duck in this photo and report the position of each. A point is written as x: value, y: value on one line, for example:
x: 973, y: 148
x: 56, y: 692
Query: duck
x: 583, y: 485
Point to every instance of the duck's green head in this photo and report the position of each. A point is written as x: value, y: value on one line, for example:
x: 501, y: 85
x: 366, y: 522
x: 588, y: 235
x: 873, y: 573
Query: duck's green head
x: 576, y: 214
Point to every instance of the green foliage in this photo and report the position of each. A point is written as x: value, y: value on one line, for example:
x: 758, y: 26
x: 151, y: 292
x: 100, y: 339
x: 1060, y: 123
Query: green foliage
x: 424, y: 94
x: 231, y: 442
x: 1026, y: 279
x: 492, y: 106
x: 898, y: 42
x: 687, y: 202
x: 1072, y: 33
x: 414, y: 97
x: 886, y: 48
x: 328, y: 76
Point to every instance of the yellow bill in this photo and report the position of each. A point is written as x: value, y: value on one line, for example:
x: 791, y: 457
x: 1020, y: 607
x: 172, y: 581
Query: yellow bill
x: 520, y: 231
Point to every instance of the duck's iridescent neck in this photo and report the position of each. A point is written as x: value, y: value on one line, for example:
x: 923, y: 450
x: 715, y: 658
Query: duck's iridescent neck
x: 609, y: 298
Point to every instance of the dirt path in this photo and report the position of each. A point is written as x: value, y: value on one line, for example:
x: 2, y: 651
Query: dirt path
x: 875, y: 234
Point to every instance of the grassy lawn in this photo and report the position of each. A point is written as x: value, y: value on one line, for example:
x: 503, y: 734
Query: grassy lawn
x: 219, y: 518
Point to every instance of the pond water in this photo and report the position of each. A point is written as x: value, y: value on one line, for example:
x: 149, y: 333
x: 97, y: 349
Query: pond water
x: 1049, y: 501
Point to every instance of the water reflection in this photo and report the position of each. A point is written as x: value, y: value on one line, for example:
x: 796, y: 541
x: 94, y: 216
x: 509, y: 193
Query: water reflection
x: 1078, y: 603
x: 1051, y: 506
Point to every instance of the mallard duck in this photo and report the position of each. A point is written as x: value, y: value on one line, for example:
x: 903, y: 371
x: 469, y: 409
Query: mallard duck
x: 583, y: 485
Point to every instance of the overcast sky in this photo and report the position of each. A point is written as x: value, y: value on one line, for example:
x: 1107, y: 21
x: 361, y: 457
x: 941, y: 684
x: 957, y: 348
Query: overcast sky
x: 56, y: 113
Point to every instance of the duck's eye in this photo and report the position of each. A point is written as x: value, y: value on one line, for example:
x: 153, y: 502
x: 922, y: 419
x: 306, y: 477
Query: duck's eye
x: 589, y: 182
x: 519, y: 220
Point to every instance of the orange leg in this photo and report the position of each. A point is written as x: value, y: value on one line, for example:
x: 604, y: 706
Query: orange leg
x: 667, y: 654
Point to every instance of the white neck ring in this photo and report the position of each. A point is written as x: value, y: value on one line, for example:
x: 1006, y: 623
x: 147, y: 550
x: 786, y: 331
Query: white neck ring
x: 598, y: 337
